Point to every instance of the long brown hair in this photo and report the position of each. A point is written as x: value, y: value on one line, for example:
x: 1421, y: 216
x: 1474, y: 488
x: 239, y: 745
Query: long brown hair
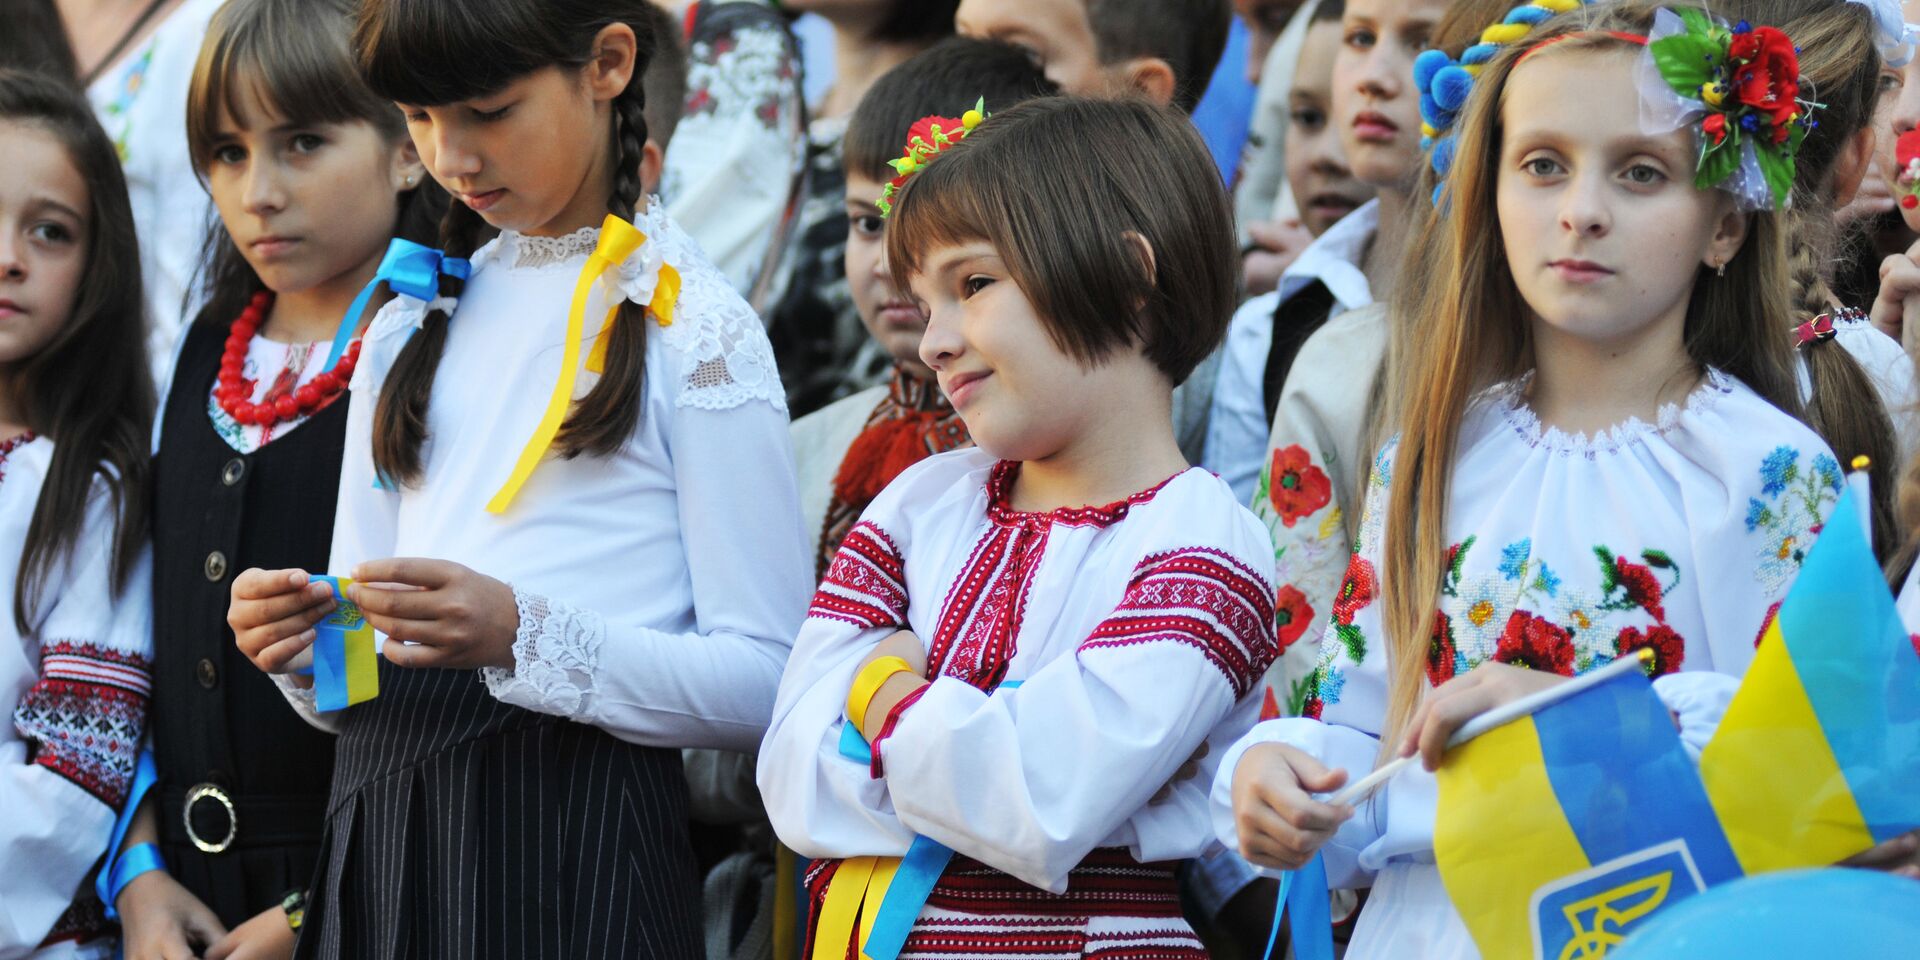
x: 1474, y: 336
x: 1840, y: 65
x: 295, y: 55
x: 90, y: 388
x: 428, y: 52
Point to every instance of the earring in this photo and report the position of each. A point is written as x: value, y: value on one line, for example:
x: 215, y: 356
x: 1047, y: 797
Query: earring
x: 1722, y: 269
x: 409, y: 179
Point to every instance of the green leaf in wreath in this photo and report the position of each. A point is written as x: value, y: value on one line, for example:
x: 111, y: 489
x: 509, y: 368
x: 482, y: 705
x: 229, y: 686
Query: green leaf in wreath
x: 1685, y: 62
x: 1777, y: 167
x: 1718, y: 163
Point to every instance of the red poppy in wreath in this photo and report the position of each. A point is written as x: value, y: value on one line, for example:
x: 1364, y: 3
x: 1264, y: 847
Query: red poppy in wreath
x: 1535, y: 643
x: 1297, y: 487
x: 1356, y: 591
x: 1441, y: 652
x: 1669, y: 650
x: 1292, y: 615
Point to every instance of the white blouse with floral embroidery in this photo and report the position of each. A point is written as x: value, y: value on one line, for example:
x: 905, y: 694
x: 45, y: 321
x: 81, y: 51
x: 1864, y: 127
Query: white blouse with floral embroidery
x: 659, y: 588
x: 1565, y: 553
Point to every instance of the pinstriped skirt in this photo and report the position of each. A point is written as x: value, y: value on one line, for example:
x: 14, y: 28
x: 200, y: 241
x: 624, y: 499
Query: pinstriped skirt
x: 460, y: 826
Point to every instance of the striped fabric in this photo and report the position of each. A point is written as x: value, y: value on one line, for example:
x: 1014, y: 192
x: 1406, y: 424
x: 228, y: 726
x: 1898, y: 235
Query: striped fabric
x: 460, y: 826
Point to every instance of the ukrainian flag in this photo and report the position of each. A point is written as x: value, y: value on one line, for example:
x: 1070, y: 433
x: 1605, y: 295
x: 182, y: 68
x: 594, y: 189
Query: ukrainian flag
x: 346, y: 666
x: 1818, y: 757
x: 1559, y: 833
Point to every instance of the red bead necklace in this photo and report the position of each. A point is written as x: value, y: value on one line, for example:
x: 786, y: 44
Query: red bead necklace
x: 235, y: 391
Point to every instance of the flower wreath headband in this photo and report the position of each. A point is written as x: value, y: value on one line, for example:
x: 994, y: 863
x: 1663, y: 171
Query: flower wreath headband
x: 926, y: 139
x: 1738, y: 67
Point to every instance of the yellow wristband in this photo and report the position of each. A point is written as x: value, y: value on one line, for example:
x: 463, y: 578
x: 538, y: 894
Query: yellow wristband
x: 867, y: 684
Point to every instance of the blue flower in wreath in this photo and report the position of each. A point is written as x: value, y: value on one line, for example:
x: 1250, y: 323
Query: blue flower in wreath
x: 1779, y: 469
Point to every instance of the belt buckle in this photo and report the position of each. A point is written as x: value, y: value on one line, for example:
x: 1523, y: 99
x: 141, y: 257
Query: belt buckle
x: 208, y: 791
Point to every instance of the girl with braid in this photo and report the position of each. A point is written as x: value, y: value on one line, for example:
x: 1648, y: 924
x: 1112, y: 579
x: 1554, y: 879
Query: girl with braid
x: 586, y: 462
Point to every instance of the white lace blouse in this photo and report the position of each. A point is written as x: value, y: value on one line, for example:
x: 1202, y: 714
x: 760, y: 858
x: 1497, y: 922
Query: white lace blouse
x: 660, y: 588
x: 1681, y: 535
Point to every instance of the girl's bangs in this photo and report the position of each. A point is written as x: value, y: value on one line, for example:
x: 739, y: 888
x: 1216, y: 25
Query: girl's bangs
x: 941, y: 206
x: 430, y: 53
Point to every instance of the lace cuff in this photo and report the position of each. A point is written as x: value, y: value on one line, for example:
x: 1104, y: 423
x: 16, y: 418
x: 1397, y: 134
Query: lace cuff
x: 556, y: 653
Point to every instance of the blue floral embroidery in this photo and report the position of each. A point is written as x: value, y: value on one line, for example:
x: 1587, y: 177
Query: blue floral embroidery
x: 1781, y: 467
x: 1513, y: 558
x: 1757, y: 514
x: 1332, y: 681
x: 1788, y: 519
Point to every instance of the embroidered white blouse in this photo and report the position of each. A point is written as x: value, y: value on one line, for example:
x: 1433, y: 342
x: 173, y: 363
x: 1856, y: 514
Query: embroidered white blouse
x: 1137, y: 629
x: 74, y: 688
x: 659, y: 588
x: 1682, y: 536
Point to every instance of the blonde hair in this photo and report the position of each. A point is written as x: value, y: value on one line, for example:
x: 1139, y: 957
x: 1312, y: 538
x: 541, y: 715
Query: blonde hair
x: 1473, y: 336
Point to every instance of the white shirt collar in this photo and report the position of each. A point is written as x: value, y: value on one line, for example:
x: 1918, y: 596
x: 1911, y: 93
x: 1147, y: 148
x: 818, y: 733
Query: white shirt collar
x: 1334, y: 260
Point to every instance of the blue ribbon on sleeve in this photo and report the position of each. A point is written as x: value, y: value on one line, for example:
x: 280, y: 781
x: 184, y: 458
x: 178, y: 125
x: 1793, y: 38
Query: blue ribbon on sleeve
x: 122, y: 866
x: 409, y: 268
x: 1303, y: 895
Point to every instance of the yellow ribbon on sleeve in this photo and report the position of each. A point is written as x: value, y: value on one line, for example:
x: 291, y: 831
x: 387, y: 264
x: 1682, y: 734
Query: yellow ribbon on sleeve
x: 618, y: 240
x: 853, y: 898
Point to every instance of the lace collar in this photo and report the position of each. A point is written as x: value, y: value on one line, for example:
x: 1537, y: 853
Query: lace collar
x: 1000, y: 511
x: 519, y: 251
x: 1512, y: 397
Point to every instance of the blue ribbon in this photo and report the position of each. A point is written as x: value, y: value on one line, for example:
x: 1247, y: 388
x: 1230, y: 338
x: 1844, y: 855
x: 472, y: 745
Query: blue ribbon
x: 1303, y: 895
x: 122, y: 867
x: 408, y: 268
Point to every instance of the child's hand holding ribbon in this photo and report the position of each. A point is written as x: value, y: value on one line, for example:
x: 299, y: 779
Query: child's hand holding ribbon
x: 444, y: 614
x: 272, y: 613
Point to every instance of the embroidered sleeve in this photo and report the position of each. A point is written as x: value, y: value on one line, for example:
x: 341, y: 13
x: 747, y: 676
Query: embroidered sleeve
x: 1299, y: 501
x: 865, y: 585
x: 83, y: 715
x: 1796, y: 494
x: 556, y: 653
x: 1205, y: 599
x: 724, y: 357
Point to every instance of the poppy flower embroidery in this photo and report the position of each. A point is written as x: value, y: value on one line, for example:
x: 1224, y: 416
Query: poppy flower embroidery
x: 1537, y: 644
x: 1297, y: 488
x: 1291, y: 615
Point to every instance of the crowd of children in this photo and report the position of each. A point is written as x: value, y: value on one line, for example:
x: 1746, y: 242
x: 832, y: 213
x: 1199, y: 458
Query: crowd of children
x: 1134, y: 522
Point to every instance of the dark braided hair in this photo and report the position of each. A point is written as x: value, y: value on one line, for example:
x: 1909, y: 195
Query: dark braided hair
x: 428, y: 53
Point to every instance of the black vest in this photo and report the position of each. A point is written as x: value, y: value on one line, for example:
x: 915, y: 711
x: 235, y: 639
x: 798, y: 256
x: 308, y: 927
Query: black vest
x: 216, y: 719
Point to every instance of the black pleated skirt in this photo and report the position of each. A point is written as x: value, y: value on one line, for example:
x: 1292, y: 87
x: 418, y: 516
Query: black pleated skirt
x: 460, y: 826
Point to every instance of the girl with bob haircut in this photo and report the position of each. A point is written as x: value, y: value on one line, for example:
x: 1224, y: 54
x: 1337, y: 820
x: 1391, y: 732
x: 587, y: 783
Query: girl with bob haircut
x: 76, y: 402
x: 311, y: 173
x: 1599, y: 452
x: 588, y: 457
x: 1035, y: 635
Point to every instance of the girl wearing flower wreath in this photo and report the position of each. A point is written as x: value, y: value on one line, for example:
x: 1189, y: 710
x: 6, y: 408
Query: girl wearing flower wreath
x: 1600, y: 452
x: 584, y: 472
x: 1020, y: 645
x: 311, y: 173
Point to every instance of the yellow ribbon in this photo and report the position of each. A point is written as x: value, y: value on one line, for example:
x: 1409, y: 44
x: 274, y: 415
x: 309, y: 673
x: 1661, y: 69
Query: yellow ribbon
x: 858, y: 882
x: 666, y: 293
x: 618, y: 240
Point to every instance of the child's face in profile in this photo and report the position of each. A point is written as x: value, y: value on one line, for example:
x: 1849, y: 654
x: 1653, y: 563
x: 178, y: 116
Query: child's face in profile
x: 1021, y: 395
x: 1605, y: 232
x: 45, y: 208
x: 1317, y: 168
x: 1056, y: 34
x: 891, y: 319
x: 1376, y: 110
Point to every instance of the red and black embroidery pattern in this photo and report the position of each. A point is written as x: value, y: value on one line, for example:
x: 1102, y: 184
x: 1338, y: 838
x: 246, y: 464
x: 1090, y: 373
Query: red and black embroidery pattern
x: 84, y: 716
x: 1205, y: 599
x: 866, y: 585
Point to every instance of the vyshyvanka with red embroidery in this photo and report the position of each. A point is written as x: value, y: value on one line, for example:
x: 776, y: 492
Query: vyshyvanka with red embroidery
x: 1078, y: 658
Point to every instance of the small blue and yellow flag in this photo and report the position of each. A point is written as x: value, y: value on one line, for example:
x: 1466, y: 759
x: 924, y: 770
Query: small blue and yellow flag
x: 1560, y: 833
x: 1818, y: 756
x: 346, y: 667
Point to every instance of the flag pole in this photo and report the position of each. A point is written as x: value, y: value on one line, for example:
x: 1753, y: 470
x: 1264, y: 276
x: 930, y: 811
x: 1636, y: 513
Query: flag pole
x: 1497, y: 717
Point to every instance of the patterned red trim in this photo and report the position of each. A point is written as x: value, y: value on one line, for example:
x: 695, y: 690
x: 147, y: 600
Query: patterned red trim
x: 84, y: 716
x: 1206, y: 599
x: 9, y: 445
x: 866, y: 585
x: 886, y: 728
x: 980, y: 620
x: 1000, y: 492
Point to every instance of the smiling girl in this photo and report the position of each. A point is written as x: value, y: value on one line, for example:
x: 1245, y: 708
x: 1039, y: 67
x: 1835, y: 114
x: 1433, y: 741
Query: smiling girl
x: 583, y: 473
x: 1074, y: 261
x: 1600, y: 454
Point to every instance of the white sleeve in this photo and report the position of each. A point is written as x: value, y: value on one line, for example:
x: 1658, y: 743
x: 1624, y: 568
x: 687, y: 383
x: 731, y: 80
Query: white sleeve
x: 713, y: 687
x: 1031, y: 780
x: 1336, y: 747
x: 823, y: 804
x: 64, y: 779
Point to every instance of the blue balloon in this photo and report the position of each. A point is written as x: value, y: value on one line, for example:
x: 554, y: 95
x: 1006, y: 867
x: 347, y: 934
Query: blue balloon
x: 1856, y: 914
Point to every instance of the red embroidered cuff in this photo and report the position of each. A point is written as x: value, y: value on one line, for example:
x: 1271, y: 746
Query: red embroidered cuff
x: 886, y: 729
